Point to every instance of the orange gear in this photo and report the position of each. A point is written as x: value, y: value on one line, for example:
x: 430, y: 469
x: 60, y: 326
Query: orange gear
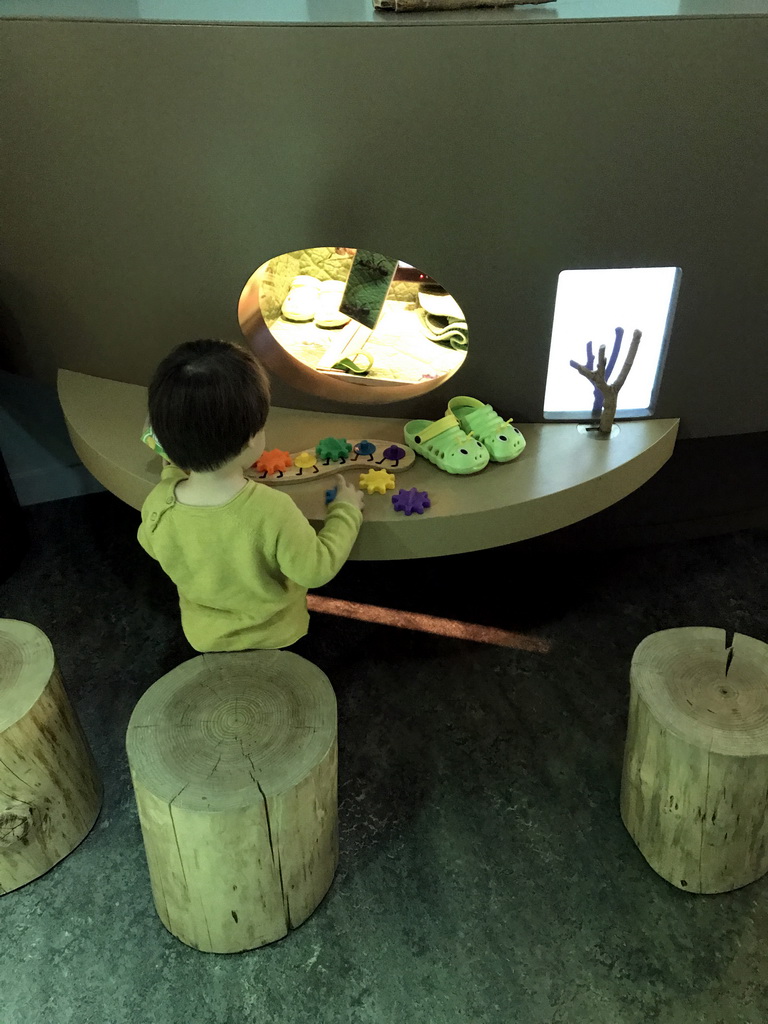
x: 274, y: 461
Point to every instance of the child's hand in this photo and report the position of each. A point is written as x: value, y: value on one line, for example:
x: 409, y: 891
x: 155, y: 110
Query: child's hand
x: 346, y: 492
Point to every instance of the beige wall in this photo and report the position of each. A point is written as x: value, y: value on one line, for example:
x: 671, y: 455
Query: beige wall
x: 148, y: 169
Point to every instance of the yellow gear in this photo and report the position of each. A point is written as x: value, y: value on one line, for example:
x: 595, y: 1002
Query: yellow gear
x: 304, y: 460
x: 377, y: 480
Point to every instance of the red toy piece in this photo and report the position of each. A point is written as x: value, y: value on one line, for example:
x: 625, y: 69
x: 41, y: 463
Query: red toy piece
x: 273, y: 461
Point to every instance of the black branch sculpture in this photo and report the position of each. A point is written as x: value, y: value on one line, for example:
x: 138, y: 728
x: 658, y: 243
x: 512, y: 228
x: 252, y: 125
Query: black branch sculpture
x: 610, y: 392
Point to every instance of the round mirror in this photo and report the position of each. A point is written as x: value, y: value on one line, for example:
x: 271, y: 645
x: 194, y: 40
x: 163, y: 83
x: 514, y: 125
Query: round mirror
x: 352, y: 325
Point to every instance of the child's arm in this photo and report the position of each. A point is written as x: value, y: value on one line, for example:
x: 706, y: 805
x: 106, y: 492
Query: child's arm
x: 144, y: 535
x: 346, y: 492
x: 312, y: 559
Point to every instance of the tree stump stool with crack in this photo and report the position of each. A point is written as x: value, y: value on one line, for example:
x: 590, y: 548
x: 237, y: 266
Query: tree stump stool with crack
x: 50, y: 791
x: 694, y: 793
x: 233, y: 759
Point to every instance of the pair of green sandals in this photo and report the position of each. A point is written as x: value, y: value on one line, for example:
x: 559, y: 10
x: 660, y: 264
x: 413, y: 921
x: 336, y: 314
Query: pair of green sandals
x: 466, y: 439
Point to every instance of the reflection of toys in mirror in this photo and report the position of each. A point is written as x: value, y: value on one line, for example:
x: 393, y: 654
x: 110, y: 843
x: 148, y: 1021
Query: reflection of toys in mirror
x: 441, y: 317
x: 367, y: 287
x: 291, y: 304
x: 411, y: 501
x: 330, y: 455
x: 377, y: 481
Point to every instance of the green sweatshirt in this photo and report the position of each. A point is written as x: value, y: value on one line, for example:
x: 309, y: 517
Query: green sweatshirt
x: 243, y: 568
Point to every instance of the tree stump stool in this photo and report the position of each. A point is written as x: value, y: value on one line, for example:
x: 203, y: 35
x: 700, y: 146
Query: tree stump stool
x: 50, y: 792
x: 694, y: 793
x: 233, y: 759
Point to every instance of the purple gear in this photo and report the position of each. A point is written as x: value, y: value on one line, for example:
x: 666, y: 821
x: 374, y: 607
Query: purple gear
x: 411, y: 501
x: 394, y: 453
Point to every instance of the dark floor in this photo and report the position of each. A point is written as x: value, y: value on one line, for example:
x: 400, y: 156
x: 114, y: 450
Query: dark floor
x: 485, y: 873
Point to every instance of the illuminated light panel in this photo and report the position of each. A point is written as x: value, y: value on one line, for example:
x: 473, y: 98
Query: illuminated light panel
x: 589, y: 306
x: 426, y: 624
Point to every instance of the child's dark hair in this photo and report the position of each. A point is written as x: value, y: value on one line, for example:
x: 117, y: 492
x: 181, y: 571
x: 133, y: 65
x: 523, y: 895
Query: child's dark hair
x: 207, y: 399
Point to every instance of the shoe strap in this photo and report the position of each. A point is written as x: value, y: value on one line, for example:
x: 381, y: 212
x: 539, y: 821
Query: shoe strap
x: 439, y: 427
x: 484, y: 422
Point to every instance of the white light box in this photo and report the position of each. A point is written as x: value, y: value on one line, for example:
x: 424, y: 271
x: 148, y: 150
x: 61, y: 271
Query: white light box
x: 589, y: 307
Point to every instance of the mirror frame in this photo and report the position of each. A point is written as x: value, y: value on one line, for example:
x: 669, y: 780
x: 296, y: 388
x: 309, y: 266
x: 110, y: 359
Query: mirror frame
x: 297, y: 374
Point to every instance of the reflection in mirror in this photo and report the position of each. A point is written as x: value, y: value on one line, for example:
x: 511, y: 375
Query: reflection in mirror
x: 352, y: 324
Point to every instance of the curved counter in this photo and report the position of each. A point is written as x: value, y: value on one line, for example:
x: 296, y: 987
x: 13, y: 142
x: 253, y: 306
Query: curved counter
x: 561, y: 477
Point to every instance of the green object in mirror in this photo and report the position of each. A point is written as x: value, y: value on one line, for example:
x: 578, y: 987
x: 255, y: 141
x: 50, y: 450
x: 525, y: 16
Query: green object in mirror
x: 367, y: 286
x: 350, y: 366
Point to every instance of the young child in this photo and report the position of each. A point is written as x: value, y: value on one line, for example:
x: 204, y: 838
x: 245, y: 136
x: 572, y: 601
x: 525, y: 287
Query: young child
x: 241, y: 553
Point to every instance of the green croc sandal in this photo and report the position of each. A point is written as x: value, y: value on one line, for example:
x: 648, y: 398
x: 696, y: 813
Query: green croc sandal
x: 503, y: 441
x: 445, y: 444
